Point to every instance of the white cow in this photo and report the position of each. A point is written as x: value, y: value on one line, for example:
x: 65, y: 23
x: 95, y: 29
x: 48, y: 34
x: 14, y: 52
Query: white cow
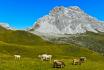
x: 17, y: 56
x: 45, y: 57
x: 76, y: 62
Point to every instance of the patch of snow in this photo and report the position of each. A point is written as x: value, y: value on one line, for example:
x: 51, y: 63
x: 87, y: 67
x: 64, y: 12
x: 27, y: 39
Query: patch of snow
x: 6, y: 26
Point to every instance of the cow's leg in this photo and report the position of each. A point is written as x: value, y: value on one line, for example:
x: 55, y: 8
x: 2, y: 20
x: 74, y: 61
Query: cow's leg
x: 61, y: 65
x: 79, y: 63
x: 76, y: 63
x: 46, y: 59
x: 73, y: 63
x: 50, y: 59
x: 19, y: 58
x: 54, y: 65
x: 41, y: 59
x: 16, y: 58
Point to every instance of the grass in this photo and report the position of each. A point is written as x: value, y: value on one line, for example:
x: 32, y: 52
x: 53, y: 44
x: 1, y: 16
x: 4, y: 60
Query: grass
x: 29, y: 46
x: 36, y: 64
x: 30, y: 61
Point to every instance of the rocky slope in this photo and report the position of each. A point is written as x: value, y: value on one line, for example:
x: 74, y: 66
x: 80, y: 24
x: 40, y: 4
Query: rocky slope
x: 67, y: 20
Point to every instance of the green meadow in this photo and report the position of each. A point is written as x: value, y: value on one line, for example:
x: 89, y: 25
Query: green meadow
x: 29, y: 46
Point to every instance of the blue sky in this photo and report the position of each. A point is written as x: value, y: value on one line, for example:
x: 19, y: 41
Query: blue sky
x: 23, y: 13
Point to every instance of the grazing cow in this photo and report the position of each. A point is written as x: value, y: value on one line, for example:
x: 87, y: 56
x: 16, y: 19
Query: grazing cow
x: 45, y: 57
x: 58, y: 64
x: 76, y: 62
x: 83, y: 59
x: 17, y: 56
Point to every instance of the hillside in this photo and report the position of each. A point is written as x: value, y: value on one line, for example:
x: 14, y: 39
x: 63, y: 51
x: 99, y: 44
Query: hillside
x: 29, y: 46
x: 17, y: 40
x: 19, y: 37
x: 93, y: 41
x: 2, y: 29
x: 29, y: 59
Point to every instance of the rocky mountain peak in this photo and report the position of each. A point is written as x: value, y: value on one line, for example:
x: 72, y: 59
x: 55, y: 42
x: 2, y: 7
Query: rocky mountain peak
x: 67, y: 20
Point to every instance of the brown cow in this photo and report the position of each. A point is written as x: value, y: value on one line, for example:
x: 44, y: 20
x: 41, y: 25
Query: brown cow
x: 83, y: 59
x: 58, y: 64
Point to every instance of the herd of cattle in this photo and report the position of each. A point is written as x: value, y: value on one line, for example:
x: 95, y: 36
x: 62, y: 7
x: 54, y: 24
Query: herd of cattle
x: 57, y: 63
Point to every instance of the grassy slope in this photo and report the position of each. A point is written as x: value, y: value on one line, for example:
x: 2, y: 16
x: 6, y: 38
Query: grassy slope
x: 29, y: 60
x: 92, y: 41
x: 20, y: 37
x: 89, y: 40
x: 30, y: 46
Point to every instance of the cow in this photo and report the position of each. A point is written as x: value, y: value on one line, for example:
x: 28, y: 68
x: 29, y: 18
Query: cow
x: 76, y: 62
x: 83, y: 59
x: 58, y: 64
x: 45, y: 57
x: 17, y: 56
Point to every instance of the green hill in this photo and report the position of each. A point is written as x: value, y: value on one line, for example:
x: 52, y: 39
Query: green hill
x: 19, y: 37
x: 93, y: 41
x: 29, y: 46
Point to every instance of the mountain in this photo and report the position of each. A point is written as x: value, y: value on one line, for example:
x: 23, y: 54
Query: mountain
x: 71, y: 25
x: 6, y: 26
x: 67, y: 20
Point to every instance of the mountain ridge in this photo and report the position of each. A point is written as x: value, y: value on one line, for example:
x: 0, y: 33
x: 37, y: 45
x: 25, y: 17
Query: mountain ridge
x: 71, y: 20
x: 71, y: 25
